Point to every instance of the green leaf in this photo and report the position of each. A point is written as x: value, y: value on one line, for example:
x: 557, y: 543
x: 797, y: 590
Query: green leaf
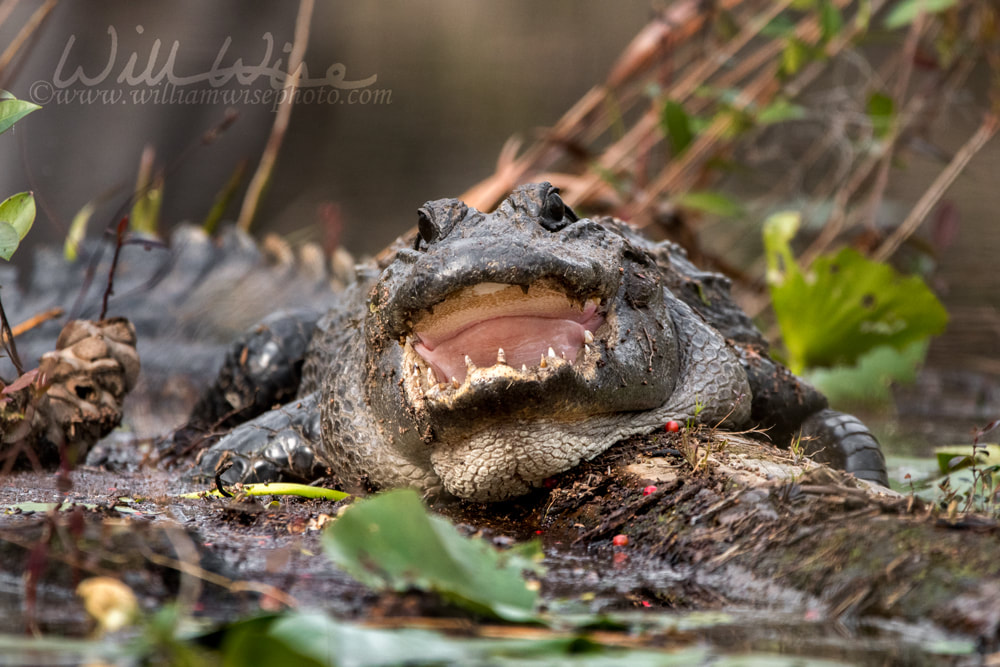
x: 13, y: 110
x: 793, y: 56
x: 77, y: 230
x: 311, y: 638
x: 779, y: 111
x: 390, y: 541
x: 830, y: 21
x: 780, y: 26
x: 17, y: 214
x: 846, y: 305
x: 868, y: 383
x: 906, y: 11
x: 863, y: 17
x: 676, y: 124
x: 881, y: 111
x: 956, y: 457
x: 714, y: 203
x: 146, y: 211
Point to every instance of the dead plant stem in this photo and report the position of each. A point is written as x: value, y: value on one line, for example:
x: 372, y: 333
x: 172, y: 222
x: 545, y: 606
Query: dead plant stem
x: 937, y: 189
x: 262, y: 176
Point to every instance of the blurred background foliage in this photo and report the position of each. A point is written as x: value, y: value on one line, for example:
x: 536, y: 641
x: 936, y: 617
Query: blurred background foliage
x: 868, y: 120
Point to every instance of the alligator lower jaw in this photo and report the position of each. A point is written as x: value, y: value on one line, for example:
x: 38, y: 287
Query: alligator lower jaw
x: 422, y: 384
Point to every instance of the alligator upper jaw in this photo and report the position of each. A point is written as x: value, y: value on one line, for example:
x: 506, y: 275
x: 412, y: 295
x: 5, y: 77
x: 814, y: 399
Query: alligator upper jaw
x: 494, y: 331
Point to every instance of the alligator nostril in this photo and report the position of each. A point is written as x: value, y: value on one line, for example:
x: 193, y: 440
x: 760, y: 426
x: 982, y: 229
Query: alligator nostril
x: 555, y: 214
x: 429, y: 230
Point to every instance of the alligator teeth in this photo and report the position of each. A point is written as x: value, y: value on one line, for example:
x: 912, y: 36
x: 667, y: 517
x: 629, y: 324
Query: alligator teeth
x: 431, y: 379
x: 524, y: 368
x: 588, y: 337
x: 454, y: 382
x: 586, y: 349
x: 542, y: 364
x: 563, y: 355
x: 468, y: 364
x: 552, y: 353
x: 501, y: 357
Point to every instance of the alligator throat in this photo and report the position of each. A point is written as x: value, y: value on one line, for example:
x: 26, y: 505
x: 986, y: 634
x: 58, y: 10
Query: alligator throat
x: 492, y: 323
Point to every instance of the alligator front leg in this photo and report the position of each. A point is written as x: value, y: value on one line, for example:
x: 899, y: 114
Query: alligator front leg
x: 277, y: 446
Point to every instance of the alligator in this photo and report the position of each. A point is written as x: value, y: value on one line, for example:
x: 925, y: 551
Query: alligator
x: 488, y: 352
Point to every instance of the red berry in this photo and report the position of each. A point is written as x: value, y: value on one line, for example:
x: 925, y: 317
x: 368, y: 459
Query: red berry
x: 648, y: 490
x: 673, y: 426
x: 620, y: 540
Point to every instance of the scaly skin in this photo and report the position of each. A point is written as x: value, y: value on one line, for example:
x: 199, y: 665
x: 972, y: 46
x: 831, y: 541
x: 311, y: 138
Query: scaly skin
x: 652, y: 360
x: 647, y: 338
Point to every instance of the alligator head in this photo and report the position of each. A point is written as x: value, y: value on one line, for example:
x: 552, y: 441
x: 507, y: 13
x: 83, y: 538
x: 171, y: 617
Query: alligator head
x: 505, y: 347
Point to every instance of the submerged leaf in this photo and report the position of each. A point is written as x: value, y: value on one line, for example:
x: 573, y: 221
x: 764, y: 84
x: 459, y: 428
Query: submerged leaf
x: 390, y: 541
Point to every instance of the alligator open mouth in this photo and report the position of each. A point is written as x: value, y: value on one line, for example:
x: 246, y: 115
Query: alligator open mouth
x: 500, y: 325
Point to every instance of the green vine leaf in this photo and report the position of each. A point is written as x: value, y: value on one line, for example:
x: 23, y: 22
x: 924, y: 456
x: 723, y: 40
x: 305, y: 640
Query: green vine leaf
x: 17, y: 214
x: 13, y: 110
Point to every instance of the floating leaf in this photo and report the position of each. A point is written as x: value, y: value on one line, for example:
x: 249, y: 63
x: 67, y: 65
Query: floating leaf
x: 13, y: 110
x: 846, y: 305
x: 906, y: 11
x: 390, y: 541
x: 17, y: 214
x: 676, y: 124
x: 881, y: 111
x: 715, y: 203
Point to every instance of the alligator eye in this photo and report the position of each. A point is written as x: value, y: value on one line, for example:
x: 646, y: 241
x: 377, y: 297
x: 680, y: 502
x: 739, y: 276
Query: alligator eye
x: 555, y: 214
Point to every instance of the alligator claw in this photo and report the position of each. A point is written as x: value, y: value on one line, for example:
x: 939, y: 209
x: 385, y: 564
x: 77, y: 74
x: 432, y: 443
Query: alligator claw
x: 276, y: 446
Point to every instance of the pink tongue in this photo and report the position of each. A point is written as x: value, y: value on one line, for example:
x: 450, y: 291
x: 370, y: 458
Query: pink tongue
x: 524, y: 340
